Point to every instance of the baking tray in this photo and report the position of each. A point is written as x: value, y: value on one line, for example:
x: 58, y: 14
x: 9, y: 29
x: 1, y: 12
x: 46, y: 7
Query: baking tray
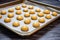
x: 28, y: 3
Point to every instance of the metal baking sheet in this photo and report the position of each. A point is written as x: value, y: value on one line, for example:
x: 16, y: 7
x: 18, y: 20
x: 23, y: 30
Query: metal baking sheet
x: 31, y: 29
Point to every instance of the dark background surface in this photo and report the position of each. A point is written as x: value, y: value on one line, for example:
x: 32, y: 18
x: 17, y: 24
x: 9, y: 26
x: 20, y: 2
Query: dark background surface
x: 50, y: 32
x: 52, y: 2
x: 4, y: 1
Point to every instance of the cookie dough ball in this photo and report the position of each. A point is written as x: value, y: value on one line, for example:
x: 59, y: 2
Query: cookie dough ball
x: 0, y: 16
x: 41, y: 20
x: 3, y: 12
x: 24, y: 28
x: 17, y: 8
x: 7, y: 20
x: 19, y: 18
x: 10, y: 15
x: 32, y: 12
x: 25, y: 10
x: 36, y: 24
x: 24, y: 5
x: 40, y: 14
x: 48, y: 16
x: 31, y: 7
x: 11, y: 10
x: 38, y: 10
x: 27, y: 21
x: 47, y: 11
x: 27, y: 15
x: 54, y: 13
x: 34, y: 17
x: 16, y: 24
x: 18, y: 12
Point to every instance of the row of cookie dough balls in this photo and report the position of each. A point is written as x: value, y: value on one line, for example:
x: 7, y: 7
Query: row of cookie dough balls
x: 32, y: 17
x: 28, y: 21
x: 10, y: 15
x: 25, y: 10
x: 23, y: 28
x: 3, y: 12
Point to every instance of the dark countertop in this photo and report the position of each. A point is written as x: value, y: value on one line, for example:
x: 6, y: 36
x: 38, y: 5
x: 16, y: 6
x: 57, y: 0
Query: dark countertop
x: 50, y: 32
x: 52, y: 2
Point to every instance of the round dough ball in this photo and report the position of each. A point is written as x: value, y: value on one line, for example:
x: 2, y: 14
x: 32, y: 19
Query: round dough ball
x: 27, y: 21
x: 24, y: 28
x: 24, y: 5
x: 40, y: 14
x: 7, y: 20
x: 0, y: 16
x: 31, y: 7
x: 38, y: 10
x: 34, y: 17
x: 54, y: 13
x: 47, y: 11
x: 10, y: 15
x: 16, y: 24
x: 19, y: 18
x: 17, y: 8
x: 3, y: 12
x: 48, y: 16
x: 25, y: 10
x: 27, y: 15
x: 32, y: 12
x: 18, y: 12
x: 36, y: 24
x: 11, y: 10
x: 41, y: 20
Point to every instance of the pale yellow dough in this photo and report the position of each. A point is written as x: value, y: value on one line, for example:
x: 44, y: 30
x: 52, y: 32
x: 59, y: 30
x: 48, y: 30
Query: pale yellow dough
x: 27, y: 21
x: 16, y: 24
x: 18, y: 12
x: 38, y: 10
x: 31, y: 7
x: 48, y: 16
x: 47, y: 11
x: 24, y: 28
x: 40, y: 14
x: 34, y: 17
x: 7, y: 20
x: 25, y: 10
x: 27, y: 15
x: 41, y: 20
x: 24, y: 5
x: 11, y: 10
x: 3, y: 12
x: 17, y: 8
x: 54, y: 13
x: 10, y: 15
x: 36, y: 24
x: 32, y: 12
x: 19, y: 18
